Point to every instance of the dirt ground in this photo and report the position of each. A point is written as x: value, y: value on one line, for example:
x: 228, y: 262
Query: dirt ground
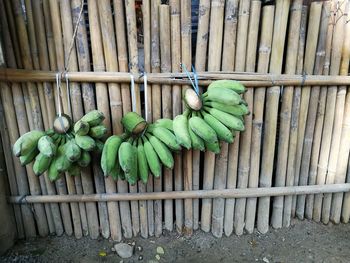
x: 303, y: 242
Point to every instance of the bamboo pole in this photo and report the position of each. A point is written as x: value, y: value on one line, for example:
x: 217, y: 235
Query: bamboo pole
x: 315, y: 99
x: 229, y: 49
x: 346, y: 202
x: 272, y: 98
x: 186, y: 56
x: 111, y: 63
x: 177, y: 103
x: 34, y: 184
x: 246, y: 136
x: 293, y: 167
x: 134, y: 68
x: 258, y: 112
x: 222, y: 193
x: 339, y: 113
x: 286, y: 110
x: 156, y: 106
x: 337, y: 43
x: 102, y: 102
x: 306, y: 112
x: 165, y: 58
x: 13, y: 116
x: 214, y: 63
x: 148, y: 115
x: 89, y: 105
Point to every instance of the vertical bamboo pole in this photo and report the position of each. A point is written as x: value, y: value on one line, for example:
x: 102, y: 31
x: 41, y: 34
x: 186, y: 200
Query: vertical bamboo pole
x: 147, y: 55
x: 220, y: 161
x: 34, y: 185
x: 102, y: 105
x: 89, y: 105
x: 346, y: 202
x: 186, y: 50
x: 272, y: 98
x: 165, y: 58
x: 177, y: 103
x: 156, y: 105
x: 200, y: 63
x: 258, y: 112
x: 310, y: 54
x: 39, y: 25
x: 134, y: 68
x: 57, y: 34
x: 245, y: 147
x: 312, y: 136
x: 286, y: 109
x: 19, y: 182
x: 339, y: 113
x: 337, y: 43
x: 214, y: 63
x: 293, y: 163
x: 229, y: 48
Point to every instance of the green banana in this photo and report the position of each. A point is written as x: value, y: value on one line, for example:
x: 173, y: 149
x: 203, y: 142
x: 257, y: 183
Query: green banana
x: 229, y: 84
x: 197, y: 142
x: 128, y: 161
x: 223, y: 95
x: 213, y: 147
x: 99, y: 146
x: 142, y: 162
x: 85, y: 159
x: 237, y: 110
x: 41, y: 164
x: 110, y: 154
x: 152, y: 158
x: 46, y: 146
x: 228, y: 120
x: 162, y: 150
x: 74, y: 170
x: 167, y: 137
x: 85, y: 142
x: 98, y: 131
x: 27, y: 142
x: 93, y: 118
x: 202, y: 129
x: 180, y: 125
x: 53, y: 173
x: 62, y: 163
x: 81, y: 128
x: 29, y: 157
x: 165, y: 123
x: 72, y: 151
x: 221, y: 130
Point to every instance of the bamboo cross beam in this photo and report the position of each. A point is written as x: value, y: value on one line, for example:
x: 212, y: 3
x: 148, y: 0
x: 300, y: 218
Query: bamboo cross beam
x: 223, y: 193
x: 205, y: 78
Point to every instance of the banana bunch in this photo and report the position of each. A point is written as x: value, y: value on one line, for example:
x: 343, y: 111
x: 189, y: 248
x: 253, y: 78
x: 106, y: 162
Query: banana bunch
x: 141, y: 150
x: 215, y: 116
x: 65, y: 148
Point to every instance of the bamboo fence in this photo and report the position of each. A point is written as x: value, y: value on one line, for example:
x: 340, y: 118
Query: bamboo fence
x: 292, y: 160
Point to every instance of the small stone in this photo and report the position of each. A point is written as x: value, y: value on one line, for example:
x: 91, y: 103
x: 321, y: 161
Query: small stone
x: 140, y: 257
x: 124, y: 250
x: 157, y: 257
x: 139, y: 248
x: 160, y: 250
x: 266, y: 260
x: 133, y: 243
x: 113, y: 249
x: 122, y: 261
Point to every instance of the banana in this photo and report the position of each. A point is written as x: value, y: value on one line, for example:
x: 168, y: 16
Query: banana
x: 50, y: 132
x: 221, y: 130
x: 72, y: 151
x: 29, y: 157
x: 142, y: 162
x: 132, y: 177
x: 228, y: 120
x: 229, y: 84
x: 237, y: 110
x: 85, y: 142
x: 93, y: 118
x: 74, y: 170
x: 165, y: 123
x: 202, y: 129
x: 27, y: 142
x: 223, y: 95
x: 81, y: 128
x: 116, y: 171
x: 41, y: 164
x: 197, y: 142
x: 46, y: 146
x: 99, y: 146
x: 128, y: 161
x: 166, y: 137
x: 180, y: 125
x: 98, y: 131
x: 110, y: 153
x: 213, y: 147
x: 85, y: 159
x: 62, y: 163
x: 152, y: 158
x: 162, y: 150
x: 53, y: 174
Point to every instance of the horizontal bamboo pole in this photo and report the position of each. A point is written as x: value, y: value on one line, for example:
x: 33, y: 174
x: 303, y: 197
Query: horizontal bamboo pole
x: 205, y: 78
x: 223, y: 193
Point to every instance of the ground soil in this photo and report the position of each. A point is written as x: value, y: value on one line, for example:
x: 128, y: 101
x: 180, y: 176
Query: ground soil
x: 303, y: 242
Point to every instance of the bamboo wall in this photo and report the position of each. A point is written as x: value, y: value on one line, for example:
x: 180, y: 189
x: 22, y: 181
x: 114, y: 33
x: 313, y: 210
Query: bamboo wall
x: 295, y: 135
